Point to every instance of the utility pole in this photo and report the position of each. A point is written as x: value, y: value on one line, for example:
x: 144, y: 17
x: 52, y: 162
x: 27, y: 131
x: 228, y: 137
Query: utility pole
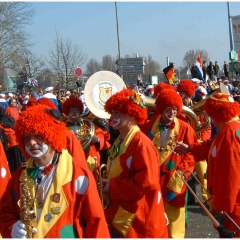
x: 230, y: 33
x: 119, y: 52
x: 118, y: 38
x: 230, y: 28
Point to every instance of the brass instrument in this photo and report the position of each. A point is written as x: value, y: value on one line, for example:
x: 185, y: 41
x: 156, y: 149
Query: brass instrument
x: 198, y: 109
x: 85, y: 132
x: 151, y: 106
x: 223, y: 232
x: 101, y: 173
x: 26, y: 204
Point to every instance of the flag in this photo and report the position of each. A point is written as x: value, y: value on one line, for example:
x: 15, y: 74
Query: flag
x: 198, y: 68
x: 33, y: 82
x: 169, y: 74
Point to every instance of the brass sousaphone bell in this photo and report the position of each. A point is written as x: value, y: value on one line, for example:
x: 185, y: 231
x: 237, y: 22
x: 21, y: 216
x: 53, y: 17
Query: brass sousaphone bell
x: 99, y: 88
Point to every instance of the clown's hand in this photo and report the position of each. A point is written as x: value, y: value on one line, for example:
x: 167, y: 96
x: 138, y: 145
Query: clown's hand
x: 181, y: 148
x: 95, y: 140
x: 18, y: 230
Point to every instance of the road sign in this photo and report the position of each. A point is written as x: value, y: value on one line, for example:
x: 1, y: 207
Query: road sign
x: 130, y: 62
x: 234, y: 66
x: 130, y: 70
x: 78, y: 72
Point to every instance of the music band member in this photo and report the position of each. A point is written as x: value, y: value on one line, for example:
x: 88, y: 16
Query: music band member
x: 73, y: 108
x: 165, y: 131
x: 223, y: 157
x: 186, y: 89
x: 5, y: 171
x: 136, y: 208
x: 53, y: 186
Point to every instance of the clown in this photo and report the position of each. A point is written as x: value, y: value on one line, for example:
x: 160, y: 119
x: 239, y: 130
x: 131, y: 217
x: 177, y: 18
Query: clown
x: 73, y: 108
x: 136, y: 207
x: 165, y: 131
x: 64, y: 194
x: 223, y: 157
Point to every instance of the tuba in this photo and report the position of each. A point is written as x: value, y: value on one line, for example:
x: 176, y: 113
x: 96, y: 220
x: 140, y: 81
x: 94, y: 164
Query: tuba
x: 85, y: 132
x: 198, y: 109
x: 99, y: 87
x: 151, y: 106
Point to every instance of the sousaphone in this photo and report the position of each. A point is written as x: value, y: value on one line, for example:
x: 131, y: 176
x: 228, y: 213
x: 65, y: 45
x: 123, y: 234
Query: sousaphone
x: 99, y: 88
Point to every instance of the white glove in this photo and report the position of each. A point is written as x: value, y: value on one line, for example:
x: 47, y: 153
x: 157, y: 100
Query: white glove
x: 95, y: 140
x: 18, y: 230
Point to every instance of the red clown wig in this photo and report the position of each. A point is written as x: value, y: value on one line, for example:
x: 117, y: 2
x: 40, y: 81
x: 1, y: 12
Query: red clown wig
x: 187, y: 86
x: 161, y: 86
x: 222, y: 107
x: 169, y: 98
x: 72, y: 103
x: 38, y: 119
x: 127, y: 102
x: 47, y: 102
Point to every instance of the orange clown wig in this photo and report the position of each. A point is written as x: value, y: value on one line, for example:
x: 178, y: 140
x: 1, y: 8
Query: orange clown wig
x: 72, y: 103
x: 40, y: 120
x: 169, y: 98
x: 161, y: 86
x: 129, y: 103
x: 187, y: 86
x: 222, y: 107
x: 47, y: 102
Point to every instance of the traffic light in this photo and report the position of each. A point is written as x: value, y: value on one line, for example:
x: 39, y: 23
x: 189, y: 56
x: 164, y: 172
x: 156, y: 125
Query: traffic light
x: 0, y: 86
x: 78, y: 84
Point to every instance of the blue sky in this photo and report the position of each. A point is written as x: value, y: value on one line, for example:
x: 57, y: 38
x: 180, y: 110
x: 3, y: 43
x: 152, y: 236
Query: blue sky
x: 159, y: 29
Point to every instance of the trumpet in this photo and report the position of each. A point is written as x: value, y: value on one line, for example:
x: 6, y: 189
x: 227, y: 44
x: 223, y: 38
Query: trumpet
x: 101, y: 173
x: 223, y: 232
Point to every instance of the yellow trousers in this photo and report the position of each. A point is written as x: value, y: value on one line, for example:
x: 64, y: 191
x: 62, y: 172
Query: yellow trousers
x: 201, y: 168
x: 176, y: 218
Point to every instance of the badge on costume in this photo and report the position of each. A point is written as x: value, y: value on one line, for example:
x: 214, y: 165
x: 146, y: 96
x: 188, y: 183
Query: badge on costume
x: 48, y: 217
x: 55, y: 210
x: 56, y: 197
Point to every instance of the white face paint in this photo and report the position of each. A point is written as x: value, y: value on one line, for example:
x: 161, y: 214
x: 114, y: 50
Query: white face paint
x: 116, y: 122
x: 170, y: 116
x: 170, y: 113
x: 42, y: 148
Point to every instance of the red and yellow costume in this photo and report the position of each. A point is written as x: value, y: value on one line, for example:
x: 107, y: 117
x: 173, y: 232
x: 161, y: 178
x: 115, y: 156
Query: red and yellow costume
x: 4, y: 170
x: 79, y: 212
x: 136, y: 208
x: 172, y: 186
x: 223, y: 157
x: 223, y: 172
x: 71, y: 206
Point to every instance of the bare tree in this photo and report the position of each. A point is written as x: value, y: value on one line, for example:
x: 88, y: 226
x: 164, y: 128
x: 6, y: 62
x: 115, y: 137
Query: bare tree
x: 64, y: 56
x: 14, y: 16
x: 93, y: 66
x: 190, y: 57
x: 152, y: 67
x: 109, y: 63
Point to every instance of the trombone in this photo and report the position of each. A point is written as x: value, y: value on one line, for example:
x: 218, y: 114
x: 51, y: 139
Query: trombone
x: 223, y: 232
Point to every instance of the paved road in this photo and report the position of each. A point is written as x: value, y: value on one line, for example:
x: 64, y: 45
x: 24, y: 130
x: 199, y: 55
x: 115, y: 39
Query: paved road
x: 200, y: 225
